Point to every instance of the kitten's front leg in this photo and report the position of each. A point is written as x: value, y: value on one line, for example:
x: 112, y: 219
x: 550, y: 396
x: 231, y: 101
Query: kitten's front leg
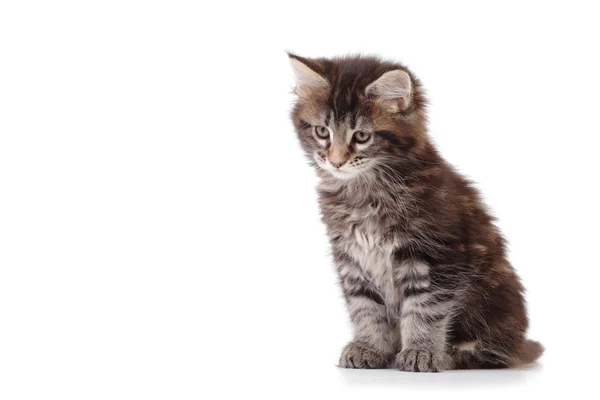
x: 425, y: 316
x: 374, y: 335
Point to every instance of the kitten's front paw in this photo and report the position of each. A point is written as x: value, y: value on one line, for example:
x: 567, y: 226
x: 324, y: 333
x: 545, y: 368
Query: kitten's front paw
x: 359, y: 355
x: 421, y: 361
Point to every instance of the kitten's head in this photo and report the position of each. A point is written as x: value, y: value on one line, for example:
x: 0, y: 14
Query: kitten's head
x: 355, y: 113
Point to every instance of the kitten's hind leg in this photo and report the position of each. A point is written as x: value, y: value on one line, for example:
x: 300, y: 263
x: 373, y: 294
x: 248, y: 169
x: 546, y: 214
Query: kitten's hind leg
x: 477, y: 355
x: 489, y: 355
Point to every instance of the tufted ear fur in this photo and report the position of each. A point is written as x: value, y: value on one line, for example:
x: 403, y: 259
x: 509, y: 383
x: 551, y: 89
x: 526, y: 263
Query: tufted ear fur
x: 393, y: 86
x: 308, y: 81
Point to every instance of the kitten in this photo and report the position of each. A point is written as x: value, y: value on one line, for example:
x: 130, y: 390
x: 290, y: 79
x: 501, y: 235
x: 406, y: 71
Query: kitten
x: 422, y: 266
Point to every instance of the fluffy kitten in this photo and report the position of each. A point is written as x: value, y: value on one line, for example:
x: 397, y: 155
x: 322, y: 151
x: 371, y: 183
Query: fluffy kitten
x: 421, y: 264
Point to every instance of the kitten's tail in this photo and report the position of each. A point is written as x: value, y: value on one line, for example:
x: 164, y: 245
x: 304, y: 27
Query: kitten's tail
x: 529, y: 351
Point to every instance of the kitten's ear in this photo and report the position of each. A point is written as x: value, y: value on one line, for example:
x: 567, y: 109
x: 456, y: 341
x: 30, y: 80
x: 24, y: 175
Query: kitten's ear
x: 395, y: 86
x: 308, y: 81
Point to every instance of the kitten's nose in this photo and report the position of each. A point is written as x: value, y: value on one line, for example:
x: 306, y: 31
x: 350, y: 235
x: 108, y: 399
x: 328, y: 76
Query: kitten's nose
x: 336, y: 163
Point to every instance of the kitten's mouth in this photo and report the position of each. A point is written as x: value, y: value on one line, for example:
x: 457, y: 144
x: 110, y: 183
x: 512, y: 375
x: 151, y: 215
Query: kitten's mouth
x: 338, y: 173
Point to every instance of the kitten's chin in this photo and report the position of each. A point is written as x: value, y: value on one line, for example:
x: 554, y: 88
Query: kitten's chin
x: 341, y: 174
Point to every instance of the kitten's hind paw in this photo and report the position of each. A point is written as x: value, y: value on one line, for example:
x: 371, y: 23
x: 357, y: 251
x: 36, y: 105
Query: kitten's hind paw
x: 359, y: 355
x: 421, y: 361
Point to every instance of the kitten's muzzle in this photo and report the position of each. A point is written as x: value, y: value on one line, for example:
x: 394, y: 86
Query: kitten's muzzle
x: 337, y: 163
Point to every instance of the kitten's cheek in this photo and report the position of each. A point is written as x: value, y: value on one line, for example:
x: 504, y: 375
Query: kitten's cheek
x: 319, y: 158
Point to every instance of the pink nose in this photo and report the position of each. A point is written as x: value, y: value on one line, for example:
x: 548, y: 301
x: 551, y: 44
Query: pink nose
x: 337, y: 164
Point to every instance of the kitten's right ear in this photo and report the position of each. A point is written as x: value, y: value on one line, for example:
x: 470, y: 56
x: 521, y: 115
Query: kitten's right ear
x: 308, y: 81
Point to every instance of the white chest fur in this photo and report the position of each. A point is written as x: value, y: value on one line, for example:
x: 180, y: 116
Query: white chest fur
x: 374, y: 254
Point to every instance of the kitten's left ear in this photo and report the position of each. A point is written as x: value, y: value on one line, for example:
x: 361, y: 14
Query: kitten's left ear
x: 307, y: 79
x: 393, y: 85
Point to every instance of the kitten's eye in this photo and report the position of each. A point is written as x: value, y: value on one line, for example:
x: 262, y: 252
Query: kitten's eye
x: 361, y: 137
x: 322, y: 132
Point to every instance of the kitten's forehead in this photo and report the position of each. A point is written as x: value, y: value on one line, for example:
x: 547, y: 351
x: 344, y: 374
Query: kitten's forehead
x: 347, y: 122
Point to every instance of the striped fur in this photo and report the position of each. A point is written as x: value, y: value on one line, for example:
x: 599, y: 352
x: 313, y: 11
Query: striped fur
x: 421, y: 264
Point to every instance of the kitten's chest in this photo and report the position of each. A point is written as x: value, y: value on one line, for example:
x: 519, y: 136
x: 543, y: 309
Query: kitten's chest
x: 367, y: 243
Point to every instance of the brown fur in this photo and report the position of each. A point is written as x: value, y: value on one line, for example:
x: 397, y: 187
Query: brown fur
x: 413, y: 197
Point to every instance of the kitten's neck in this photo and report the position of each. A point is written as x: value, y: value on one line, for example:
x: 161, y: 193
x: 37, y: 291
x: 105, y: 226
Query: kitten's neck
x: 386, y: 181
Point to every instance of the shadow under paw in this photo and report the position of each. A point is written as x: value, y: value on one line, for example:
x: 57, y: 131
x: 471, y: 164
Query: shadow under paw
x: 413, y: 360
x: 358, y: 355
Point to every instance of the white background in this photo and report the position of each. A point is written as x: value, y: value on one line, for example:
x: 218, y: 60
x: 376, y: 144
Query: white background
x: 159, y: 232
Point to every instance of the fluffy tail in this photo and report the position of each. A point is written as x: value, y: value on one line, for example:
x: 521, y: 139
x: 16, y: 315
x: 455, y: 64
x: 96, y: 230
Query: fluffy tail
x: 529, y: 351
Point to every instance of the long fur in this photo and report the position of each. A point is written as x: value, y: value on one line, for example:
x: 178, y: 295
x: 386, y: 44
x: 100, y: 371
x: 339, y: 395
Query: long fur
x: 421, y: 263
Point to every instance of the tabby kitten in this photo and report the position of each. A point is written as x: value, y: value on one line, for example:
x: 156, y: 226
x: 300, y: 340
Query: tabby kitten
x: 422, y: 266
